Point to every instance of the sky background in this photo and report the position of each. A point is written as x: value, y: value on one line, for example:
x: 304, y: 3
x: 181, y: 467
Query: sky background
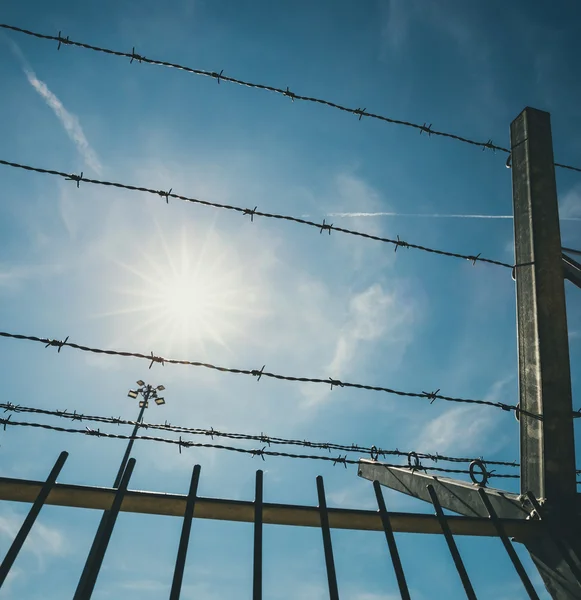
x: 124, y: 270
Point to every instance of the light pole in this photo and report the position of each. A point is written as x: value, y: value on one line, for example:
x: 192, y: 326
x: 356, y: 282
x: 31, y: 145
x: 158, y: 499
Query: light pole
x: 148, y: 393
x: 97, y: 552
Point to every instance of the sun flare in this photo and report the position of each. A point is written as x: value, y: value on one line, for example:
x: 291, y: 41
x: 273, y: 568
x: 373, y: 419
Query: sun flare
x: 190, y: 293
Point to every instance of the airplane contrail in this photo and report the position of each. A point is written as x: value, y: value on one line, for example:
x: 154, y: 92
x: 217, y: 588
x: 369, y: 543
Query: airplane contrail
x: 421, y: 215
x: 68, y: 120
x: 428, y: 215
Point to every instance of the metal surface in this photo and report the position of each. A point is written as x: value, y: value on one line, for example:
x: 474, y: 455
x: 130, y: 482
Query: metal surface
x: 560, y: 582
x: 508, y: 546
x: 257, y: 563
x: 30, y: 519
x: 390, y: 539
x: 458, y: 563
x: 458, y: 496
x: 178, y: 574
x: 555, y: 532
x: 557, y: 554
x: 156, y: 503
x: 572, y: 270
x: 97, y: 553
x: 327, y: 545
x: 547, y: 446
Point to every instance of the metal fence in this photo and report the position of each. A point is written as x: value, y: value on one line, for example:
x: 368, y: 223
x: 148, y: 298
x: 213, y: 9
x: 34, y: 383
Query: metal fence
x: 191, y: 506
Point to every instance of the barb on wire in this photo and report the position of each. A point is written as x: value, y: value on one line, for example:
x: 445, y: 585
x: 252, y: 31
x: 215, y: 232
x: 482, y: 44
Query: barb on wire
x: 324, y: 226
x: 73, y: 177
x: 263, y: 373
x: 62, y: 40
x: 374, y: 451
x: 181, y: 443
x: 360, y: 112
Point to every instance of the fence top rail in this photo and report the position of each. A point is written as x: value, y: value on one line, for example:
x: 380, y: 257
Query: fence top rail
x: 158, y: 503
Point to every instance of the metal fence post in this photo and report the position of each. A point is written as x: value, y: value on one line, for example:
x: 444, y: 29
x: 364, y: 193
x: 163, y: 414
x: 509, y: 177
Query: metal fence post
x: 257, y: 566
x: 101, y: 541
x: 178, y: 575
x: 327, y: 546
x: 547, y: 444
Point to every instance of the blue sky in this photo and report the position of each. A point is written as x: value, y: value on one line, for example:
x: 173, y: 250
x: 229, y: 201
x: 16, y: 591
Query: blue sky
x: 122, y: 270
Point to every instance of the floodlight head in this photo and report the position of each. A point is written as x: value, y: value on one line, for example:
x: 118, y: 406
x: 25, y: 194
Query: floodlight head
x: 160, y: 401
x: 141, y: 403
x: 161, y: 388
x: 132, y: 394
x: 140, y: 382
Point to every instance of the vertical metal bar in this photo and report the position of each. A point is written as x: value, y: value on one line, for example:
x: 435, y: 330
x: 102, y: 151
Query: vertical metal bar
x: 257, y: 580
x: 547, y: 446
x: 508, y: 546
x: 101, y: 541
x: 328, y: 548
x: 178, y: 573
x: 33, y: 513
x: 390, y: 538
x: 451, y: 544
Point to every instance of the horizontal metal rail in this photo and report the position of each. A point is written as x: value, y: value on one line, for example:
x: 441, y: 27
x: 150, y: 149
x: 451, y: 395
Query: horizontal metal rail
x: 22, y: 490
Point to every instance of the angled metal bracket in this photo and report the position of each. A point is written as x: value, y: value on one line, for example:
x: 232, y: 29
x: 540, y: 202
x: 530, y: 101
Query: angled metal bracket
x: 458, y: 496
x: 572, y: 270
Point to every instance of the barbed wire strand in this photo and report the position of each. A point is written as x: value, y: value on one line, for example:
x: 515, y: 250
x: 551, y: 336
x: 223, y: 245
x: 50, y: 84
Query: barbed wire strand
x: 259, y: 373
x: 324, y: 226
x: 261, y: 452
x: 374, y: 451
x: 219, y: 77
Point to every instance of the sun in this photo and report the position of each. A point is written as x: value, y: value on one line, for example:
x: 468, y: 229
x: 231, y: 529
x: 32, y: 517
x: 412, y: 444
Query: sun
x: 190, y: 293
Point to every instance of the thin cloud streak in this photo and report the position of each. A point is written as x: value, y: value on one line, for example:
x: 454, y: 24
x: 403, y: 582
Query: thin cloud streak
x: 69, y: 121
x: 422, y: 215
x: 428, y: 215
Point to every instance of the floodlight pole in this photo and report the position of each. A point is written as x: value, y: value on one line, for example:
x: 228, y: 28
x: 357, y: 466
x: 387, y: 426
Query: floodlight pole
x: 93, y: 564
x: 146, y: 392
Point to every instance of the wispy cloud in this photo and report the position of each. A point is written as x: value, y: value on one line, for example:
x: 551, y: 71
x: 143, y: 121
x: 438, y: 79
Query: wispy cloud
x: 570, y: 205
x: 466, y: 429
x: 374, y: 596
x: 372, y: 313
x: 69, y: 121
x: 11, y: 277
x: 43, y: 541
x: 144, y: 585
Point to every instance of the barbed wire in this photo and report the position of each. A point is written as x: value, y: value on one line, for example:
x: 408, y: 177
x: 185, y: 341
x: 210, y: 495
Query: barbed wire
x: 324, y: 226
x: 261, y: 452
x: 374, y: 451
x: 259, y: 373
x: 219, y: 77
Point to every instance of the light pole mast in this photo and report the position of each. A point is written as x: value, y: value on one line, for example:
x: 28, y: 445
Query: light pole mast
x: 147, y: 392
x: 93, y: 564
